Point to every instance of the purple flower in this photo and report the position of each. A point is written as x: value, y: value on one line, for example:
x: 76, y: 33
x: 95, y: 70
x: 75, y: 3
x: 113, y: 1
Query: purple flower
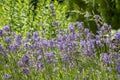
x: 25, y: 59
x: 105, y: 29
x: 45, y: 42
x: 7, y: 76
x: 39, y: 57
x: 117, y: 35
x: 52, y: 6
x: 14, y: 47
x: 107, y: 40
x: 97, y: 17
x: 35, y: 35
x: 39, y: 52
x: 1, y: 47
x: 8, y: 40
x: 106, y: 58
x: 100, y: 32
x: 64, y: 57
x: 109, y: 69
x: 118, y: 66
x: 18, y: 39
x: 26, y: 45
x: 60, y: 38
x: 82, y: 43
x: 20, y: 64
x: 1, y: 33
x: 80, y: 25
x: 86, y: 30
x: 50, y: 57
x: 26, y: 70
x: 87, y: 52
x: 52, y: 43
x: 71, y: 65
x: 13, y: 34
x: 31, y: 47
x: 71, y: 27
x: 55, y: 23
x: 6, y: 28
x: 39, y: 65
x: 90, y: 35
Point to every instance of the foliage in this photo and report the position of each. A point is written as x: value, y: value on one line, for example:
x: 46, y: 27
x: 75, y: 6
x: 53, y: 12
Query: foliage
x: 40, y: 43
x: 109, y: 11
x: 19, y: 15
x: 74, y: 54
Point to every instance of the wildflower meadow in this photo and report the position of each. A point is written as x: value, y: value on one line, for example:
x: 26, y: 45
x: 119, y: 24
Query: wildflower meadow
x: 43, y: 44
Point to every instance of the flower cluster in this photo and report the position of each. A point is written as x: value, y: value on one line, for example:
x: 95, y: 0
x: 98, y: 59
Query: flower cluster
x: 36, y: 52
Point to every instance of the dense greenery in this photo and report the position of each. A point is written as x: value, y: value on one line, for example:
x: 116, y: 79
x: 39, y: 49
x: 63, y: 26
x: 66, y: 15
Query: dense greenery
x: 109, y: 10
x: 55, y: 40
x: 22, y: 16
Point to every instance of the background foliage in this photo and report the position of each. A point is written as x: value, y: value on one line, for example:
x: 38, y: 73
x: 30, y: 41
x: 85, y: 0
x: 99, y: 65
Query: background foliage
x: 22, y: 16
x: 109, y: 10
